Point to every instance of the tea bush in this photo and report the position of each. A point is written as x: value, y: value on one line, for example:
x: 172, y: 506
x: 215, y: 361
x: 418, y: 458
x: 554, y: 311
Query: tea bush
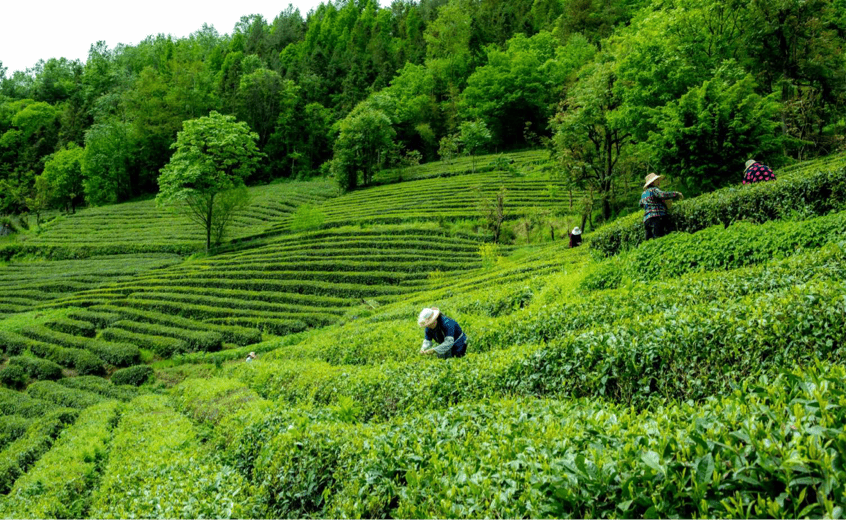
x: 18, y: 403
x: 59, y: 485
x: 37, y: 368
x: 135, y: 375
x: 18, y: 456
x: 157, y: 468
x: 13, y: 376
x: 101, y: 386
x: 117, y: 354
x: 62, y: 395
x: 813, y: 190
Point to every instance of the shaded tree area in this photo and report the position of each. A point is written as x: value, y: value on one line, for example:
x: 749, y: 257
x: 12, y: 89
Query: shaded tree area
x: 612, y: 87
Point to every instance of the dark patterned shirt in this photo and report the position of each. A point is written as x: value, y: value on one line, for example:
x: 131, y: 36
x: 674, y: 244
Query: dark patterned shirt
x: 652, y: 202
x: 758, y: 172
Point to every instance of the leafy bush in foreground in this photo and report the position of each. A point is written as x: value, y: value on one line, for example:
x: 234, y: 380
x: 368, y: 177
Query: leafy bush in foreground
x: 23, y: 452
x: 157, y: 468
x: 59, y: 485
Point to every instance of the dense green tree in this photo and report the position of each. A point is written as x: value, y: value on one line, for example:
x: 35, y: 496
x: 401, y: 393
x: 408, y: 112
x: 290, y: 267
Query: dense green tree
x: 590, y: 137
x: 63, y: 175
x: 708, y: 134
x: 214, y: 154
x: 474, y: 137
x: 109, y: 152
x: 365, y: 141
x: 523, y: 84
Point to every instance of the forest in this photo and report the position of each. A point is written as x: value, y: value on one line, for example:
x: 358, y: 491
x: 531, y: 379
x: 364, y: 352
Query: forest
x: 612, y: 88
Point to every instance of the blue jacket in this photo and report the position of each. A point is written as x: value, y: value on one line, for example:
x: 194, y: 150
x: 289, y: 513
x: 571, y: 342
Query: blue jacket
x: 448, y: 327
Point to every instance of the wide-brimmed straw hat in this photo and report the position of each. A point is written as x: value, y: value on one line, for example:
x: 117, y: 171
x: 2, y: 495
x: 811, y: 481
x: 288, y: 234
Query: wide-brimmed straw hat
x: 577, y: 231
x: 428, y: 316
x: 652, y: 177
x: 750, y: 162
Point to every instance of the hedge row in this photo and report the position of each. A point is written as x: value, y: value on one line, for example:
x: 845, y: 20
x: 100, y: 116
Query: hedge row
x: 207, y: 312
x: 237, y: 335
x: 21, y: 404
x: 73, y: 327
x: 163, y: 346
x: 811, y: 191
x: 100, y: 320
x: 157, y: 468
x: 117, y: 354
x: 291, y: 309
x: 83, y: 361
x: 12, y: 427
x: 289, y: 286
x: 59, y: 485
x: 634, y: 359
x: 136, y: 375
x: 37, y: 368
x: 194, y: 339
x: 275, y: 326
x: 18, y: 456
x: 63, y: 395
x: 727, y: 457
x: 716, y: 248
x: 83, y: 251
x: 104, y: 387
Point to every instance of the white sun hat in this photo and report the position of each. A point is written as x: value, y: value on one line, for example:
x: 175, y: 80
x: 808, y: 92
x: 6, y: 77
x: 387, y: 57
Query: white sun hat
x: 652, y: 177
x: 577, y: 231
x: 428, y: 316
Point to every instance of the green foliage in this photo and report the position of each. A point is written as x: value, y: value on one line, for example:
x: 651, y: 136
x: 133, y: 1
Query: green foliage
x: 365, y: 139
x: 63, y: 395
x: 72, y: 326
x: 214, y: 154
x: 136, y: 375
x: 13, y: 376
x: 18, y: 456
x: 307, y: 218
x: 710, y: 125
x: 105, y: 165
x: 812, y: 190
x: 12, y: 427
x: 21, y: 404
x: 98, y: 385
x: 152, y: 448
x: 59, y: 484
x: 37, y: 368
x: 63, y: 173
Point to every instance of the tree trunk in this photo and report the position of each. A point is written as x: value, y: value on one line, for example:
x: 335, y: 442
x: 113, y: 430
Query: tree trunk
x: 209, y: 223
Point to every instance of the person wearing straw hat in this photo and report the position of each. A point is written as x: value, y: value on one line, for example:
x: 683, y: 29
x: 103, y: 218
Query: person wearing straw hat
x: 656, y: 219
x: 575, y: 237
x: 251, y: 356
x: 442, y: 336
x: 757, y: 172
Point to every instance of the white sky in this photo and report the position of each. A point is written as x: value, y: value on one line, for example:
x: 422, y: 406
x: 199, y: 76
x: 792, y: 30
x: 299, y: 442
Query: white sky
x: 42, y: 29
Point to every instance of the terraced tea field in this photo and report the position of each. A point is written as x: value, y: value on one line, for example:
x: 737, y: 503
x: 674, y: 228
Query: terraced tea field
x: 698, y: 375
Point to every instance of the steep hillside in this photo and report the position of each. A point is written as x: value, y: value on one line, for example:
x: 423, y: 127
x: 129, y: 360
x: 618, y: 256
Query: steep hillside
x: 701, y: 374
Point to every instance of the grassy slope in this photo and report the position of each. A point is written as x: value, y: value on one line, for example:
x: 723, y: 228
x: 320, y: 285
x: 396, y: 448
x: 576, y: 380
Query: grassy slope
x: 653, y: 397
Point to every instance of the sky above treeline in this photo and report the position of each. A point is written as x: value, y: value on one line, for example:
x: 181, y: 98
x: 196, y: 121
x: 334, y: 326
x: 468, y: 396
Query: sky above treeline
x: 32, y: 30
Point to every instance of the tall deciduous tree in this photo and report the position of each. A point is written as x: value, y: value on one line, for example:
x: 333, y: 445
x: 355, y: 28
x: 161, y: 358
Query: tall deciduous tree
x: 214, y: 154
x: 590, y: 139
x: 63, y: 174
x: 474, y: 137
x: 365, y: 140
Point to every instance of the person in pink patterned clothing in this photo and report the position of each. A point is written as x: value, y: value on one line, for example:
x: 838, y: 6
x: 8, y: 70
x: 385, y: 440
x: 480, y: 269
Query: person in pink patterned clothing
x: 757, y: 172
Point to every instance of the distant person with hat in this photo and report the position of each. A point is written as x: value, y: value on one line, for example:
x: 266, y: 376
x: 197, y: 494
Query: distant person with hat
x: 251, y: 356
x: 442, y: 336
x: 757, y: 172
x: 575, y: 237
x: 656, y: 219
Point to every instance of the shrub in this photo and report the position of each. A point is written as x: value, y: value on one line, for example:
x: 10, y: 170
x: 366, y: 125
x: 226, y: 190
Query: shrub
x: 811, y: 191
x: 72, y: 327
x: 101, y: 386
x: 12, y: 427
x: 13, y: 376
x: 62, y: 395
x: 135, y: 375
x: 154, y: 447
x: 18, y: 456
x: 163, y: 346
x: 194, y: 339
x: 37, y: 368
x: 59, y: 485
x: 17, y: 403
x: 100, y: 320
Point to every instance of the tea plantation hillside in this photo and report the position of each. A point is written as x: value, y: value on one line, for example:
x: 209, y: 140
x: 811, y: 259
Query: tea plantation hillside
x: 698, y: 375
